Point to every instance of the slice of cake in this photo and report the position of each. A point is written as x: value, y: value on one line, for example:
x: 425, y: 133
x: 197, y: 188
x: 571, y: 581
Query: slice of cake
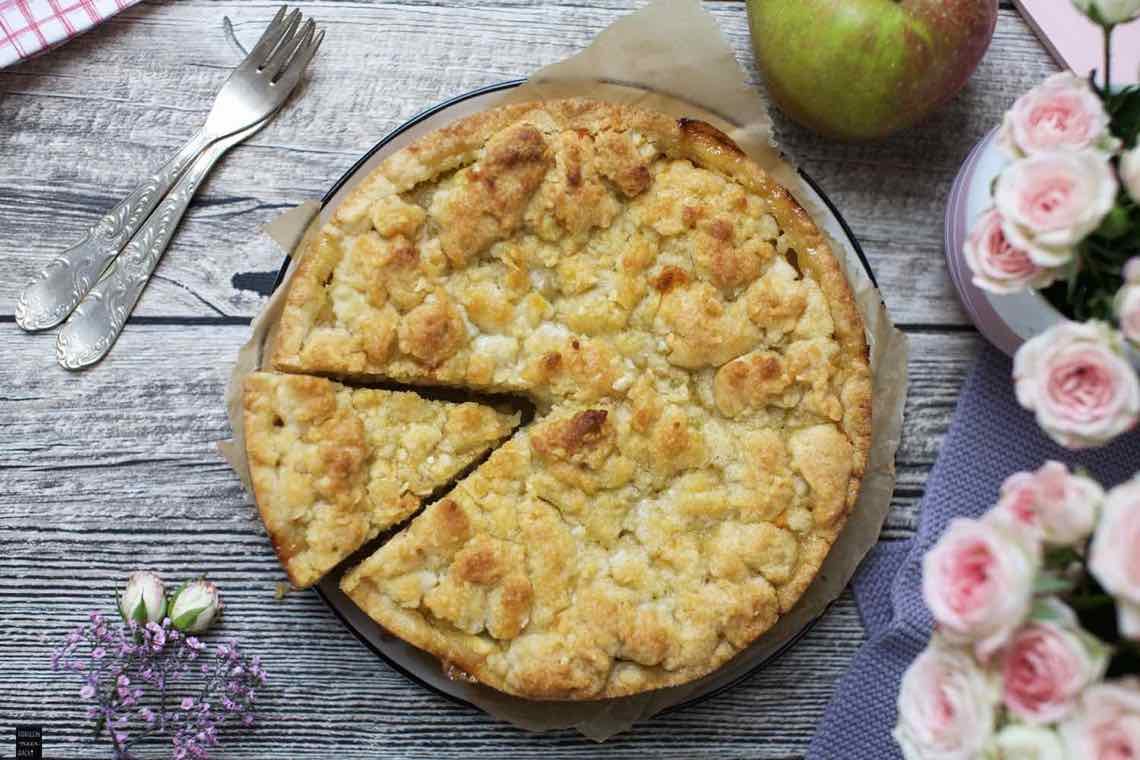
x: 333, y: 466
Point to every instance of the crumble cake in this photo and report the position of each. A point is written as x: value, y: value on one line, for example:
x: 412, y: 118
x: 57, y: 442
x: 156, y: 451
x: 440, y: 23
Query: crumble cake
x: 333, y: 466
x: 699, y: 366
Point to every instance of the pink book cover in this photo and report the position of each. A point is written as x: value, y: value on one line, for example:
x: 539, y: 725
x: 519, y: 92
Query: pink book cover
x: 1078, y: 44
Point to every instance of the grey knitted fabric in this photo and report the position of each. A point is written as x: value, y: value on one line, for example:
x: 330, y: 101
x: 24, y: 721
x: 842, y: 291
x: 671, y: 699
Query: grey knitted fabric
x: 990, y: 438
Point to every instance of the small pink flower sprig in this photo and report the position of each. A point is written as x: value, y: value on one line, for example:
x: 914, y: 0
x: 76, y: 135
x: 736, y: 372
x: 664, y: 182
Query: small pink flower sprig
x: 1036, y: 647
x: 149, y: 675
x: 1066, y: 221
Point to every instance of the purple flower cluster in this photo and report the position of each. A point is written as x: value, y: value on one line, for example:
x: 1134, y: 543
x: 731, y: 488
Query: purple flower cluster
x: 191, y: 691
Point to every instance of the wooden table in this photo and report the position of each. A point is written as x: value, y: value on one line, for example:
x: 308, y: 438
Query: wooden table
x: 115, y: 468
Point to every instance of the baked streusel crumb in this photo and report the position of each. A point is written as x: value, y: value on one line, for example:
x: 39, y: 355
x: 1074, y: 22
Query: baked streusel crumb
x: 333, y: 466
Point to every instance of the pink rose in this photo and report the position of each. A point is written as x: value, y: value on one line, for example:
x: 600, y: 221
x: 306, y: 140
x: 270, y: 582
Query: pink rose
x: 1061, y: 113
x: 1128, y: 311
x: 1130, y: 172
x: 1058, y: 507
x: 977, y: 582
x: 1106, y: 725
x: 946, y: 706
x: 999, y: 267
x: 1048, y: 663
x: 1076, y: 380
x: 1114, y: 556
x: 1049, y: 202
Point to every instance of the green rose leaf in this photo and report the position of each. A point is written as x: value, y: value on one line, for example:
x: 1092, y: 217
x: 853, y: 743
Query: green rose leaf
x: 1051, y: 584
x: 1124, y: 109
x: 1116, y: 225
x: 189, y: 616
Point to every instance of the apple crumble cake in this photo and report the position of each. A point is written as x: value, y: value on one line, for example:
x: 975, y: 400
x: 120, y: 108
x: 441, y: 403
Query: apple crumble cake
x: 333, y: 466
x: 699, y: 367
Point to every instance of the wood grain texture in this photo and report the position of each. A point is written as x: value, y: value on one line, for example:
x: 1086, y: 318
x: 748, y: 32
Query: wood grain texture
x: 113, y: 469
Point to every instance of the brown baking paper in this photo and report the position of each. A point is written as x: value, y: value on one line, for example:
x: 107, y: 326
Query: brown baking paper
x: 669, y: 57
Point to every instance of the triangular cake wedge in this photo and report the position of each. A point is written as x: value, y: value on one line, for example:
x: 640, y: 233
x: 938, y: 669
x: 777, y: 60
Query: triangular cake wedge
x: 334, y: 466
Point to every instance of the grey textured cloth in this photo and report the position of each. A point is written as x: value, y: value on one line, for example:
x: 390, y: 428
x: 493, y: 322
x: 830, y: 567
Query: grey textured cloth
x: 990, y: 438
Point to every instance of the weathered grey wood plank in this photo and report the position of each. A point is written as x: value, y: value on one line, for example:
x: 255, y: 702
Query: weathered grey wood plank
x: 93, y: 118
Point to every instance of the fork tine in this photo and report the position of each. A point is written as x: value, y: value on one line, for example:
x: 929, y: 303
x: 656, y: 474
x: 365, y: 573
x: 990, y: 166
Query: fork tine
x: 288, y: 50
x: 269, y: 39
x: 280, y: 52
x: 299, y: 62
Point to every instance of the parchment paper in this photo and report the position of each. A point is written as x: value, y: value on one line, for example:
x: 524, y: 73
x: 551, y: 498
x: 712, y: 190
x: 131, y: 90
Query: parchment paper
x: 670, y: 57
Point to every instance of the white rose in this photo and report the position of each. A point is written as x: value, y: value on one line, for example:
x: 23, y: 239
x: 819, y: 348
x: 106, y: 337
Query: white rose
x: 1113, y: 554
x: 144, y: 598
x: 946, y: 706
x: 1109, y: 12
x: 1061, y: 113
x: 977, y: 582
x: 1106, y: 725
x: 1076, y: 380
x: 1130, y: 172
x: 195, y: 606
x: 1026, y: 743
x: 1051, y: 201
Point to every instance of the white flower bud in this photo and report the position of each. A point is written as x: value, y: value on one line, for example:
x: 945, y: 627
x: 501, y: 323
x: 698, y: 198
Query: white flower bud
x: 1020, y: 742
x: 195, y: 606
x: 144, y: 598
x: 1109, y: 12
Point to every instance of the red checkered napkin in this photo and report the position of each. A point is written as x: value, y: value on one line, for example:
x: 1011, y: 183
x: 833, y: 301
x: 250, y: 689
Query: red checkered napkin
x: 28, y: 27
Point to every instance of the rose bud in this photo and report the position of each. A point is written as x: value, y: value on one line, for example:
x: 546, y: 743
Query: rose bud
x: 1130, y: 175
x: 1050, y: 202
x: 1019, y: 742
x: 1061, y: 113
x: 195, y: 606
x: 144, y: 598
x: 977, y: 582
x: 1106, y: 724
x: 1076, y: 380
x: 1113, y: 554
x: 997, y: 266
x: 1127, y: 305
x: 1048, y: 663
x: 1131, y: 270
x: 946, y: 705
x: 1109, y: 12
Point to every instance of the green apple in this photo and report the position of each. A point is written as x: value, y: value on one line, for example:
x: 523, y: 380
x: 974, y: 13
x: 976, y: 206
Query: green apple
x: 862, y: 69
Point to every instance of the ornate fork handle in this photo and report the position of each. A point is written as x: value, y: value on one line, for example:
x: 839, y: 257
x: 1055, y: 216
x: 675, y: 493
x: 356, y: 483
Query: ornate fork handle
x: 99, y: 319
x: 60, y: 286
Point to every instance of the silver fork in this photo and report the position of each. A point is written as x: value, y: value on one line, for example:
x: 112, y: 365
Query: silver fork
x: 254, y: 91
